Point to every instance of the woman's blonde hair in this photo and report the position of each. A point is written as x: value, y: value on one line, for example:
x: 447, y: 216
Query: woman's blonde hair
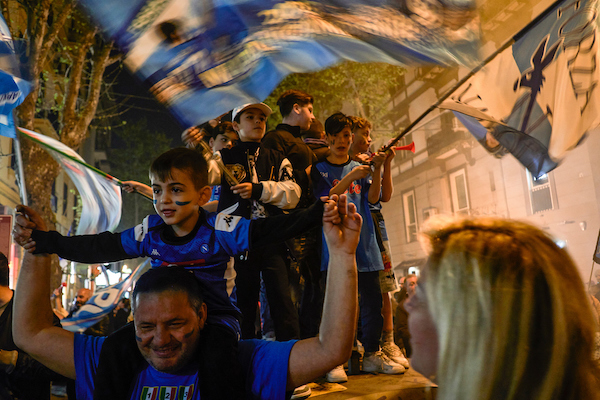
x: 511, y: 312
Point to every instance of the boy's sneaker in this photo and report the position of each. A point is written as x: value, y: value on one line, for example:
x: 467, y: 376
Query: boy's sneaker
x: 301, y: 392
x: 393, y: 352
x: 337, y: 375
x: 379, y: 362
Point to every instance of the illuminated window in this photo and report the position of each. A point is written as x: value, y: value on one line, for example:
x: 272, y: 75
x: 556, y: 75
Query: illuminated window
x: 410, y: 216
x: 540, y: 193
x: 459, y: 192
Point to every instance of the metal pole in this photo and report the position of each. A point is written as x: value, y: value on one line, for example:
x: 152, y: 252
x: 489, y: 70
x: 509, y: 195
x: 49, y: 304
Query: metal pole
x: 504, y: 46
x: 21, y: 175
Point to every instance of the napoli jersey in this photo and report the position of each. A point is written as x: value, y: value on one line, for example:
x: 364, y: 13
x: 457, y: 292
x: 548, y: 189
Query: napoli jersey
x: 215, y: 193
x: 264, y: 364
x: 325, y: 176
x: 207, y: 251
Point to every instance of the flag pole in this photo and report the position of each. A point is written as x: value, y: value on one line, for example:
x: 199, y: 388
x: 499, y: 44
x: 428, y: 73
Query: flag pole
x: 20, y: 173
x: 462, y: 81
x: 96, y: 170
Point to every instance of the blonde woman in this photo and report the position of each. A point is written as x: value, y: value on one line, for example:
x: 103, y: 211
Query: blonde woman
x: 501, y: 313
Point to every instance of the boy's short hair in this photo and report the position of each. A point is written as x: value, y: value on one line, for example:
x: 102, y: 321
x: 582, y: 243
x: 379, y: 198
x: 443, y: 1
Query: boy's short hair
x: 190, y: 161
x: 162, y: 279
x: 336, y: 123
x: 314, y: 131
x: 360, y: 123
x: 222, y: 129
x: 4, y: 270
x: 290, y: 97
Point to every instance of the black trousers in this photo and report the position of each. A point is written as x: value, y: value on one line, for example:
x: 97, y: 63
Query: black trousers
x: 272, y: 262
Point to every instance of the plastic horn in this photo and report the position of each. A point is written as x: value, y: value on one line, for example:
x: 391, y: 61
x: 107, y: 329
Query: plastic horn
x: 208, y: 154
x: 410, y: 147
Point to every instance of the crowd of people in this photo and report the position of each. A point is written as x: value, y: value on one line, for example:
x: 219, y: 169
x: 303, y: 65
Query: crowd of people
x: 498, y: 313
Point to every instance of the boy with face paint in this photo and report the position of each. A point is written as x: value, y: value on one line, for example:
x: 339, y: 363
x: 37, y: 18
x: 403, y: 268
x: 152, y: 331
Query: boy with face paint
x: 185, y: 234
x: 339, y: 174
x: 266, y: 188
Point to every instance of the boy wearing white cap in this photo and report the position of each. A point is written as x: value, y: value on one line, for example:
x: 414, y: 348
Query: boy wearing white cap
x: 266, y: 187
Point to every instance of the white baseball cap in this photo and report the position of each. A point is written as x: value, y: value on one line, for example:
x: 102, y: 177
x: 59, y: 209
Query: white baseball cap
x: 261, y: 106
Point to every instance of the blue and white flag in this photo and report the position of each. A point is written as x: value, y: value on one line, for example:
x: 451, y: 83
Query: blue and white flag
x: 13, y: 89
x: 539, y: 97
x: 102, y: 302
x: 100, y: 194
x: 203, y: 58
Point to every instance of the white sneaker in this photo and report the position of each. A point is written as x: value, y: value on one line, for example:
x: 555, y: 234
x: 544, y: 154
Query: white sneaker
x: 393, y: 352
x: 337, y: 375
x: 379, y: 362
x: 301, y: 392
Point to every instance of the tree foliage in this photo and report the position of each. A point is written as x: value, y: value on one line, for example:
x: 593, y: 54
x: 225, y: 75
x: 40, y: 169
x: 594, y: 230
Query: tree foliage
x: 65, y: 62
x: 365, y: 89
x: 131, y: 161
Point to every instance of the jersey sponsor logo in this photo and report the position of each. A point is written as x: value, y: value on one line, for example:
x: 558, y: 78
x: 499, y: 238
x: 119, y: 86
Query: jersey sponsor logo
x: 204, y: 248
x: 185, y: 392
x: 155, y: 253
x: 149, y: 393
x: 168, y: 393
x: 353, y: 188
x: 226, y: 223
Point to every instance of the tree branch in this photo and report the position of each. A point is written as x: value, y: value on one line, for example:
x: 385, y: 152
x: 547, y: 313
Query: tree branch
x: 74, y: 84
x: 57, y: 25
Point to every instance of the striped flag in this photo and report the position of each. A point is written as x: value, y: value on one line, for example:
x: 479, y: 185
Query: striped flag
x: 168, y: 393
x: 13, y: 89
x: 100, y: 194
x: 101, y: 303
x: 231, y: 52
x: 538, y: 98
x: 149, y: 393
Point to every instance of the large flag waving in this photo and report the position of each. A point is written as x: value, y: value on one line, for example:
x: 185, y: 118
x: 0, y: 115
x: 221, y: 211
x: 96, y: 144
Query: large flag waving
x: 13, y: 89
x: 100, y: 194
x: 102, y: 302
x: 203, y: 58
x: 538, y: 98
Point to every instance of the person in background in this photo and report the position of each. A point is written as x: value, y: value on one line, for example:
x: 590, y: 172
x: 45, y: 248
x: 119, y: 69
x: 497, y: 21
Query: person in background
x: 501, y: 312
x: 119, y: 317
x: 401, y: 332
x: 21, y: 377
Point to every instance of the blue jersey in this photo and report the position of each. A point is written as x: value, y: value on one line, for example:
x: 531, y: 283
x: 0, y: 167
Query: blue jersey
x: 325, y: 176
x: 207, y: 251
x: 215, y: 193
x: 264, y: 364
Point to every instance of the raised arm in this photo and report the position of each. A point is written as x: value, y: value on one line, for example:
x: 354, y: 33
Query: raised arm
x: 102, y: 247
x: 357, y: 173
x: 135, y: 186
x: 33, y: 328
x: 311, y: 358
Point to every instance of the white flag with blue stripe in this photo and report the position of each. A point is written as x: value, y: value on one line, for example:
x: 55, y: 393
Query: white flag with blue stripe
x: 101, y: 303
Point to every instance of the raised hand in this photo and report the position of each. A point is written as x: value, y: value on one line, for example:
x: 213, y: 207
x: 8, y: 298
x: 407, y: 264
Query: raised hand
x: 27, y: 220
x: 341, y: 225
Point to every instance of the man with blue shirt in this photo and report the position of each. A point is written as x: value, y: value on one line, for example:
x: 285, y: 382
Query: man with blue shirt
x: 169, y: 317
